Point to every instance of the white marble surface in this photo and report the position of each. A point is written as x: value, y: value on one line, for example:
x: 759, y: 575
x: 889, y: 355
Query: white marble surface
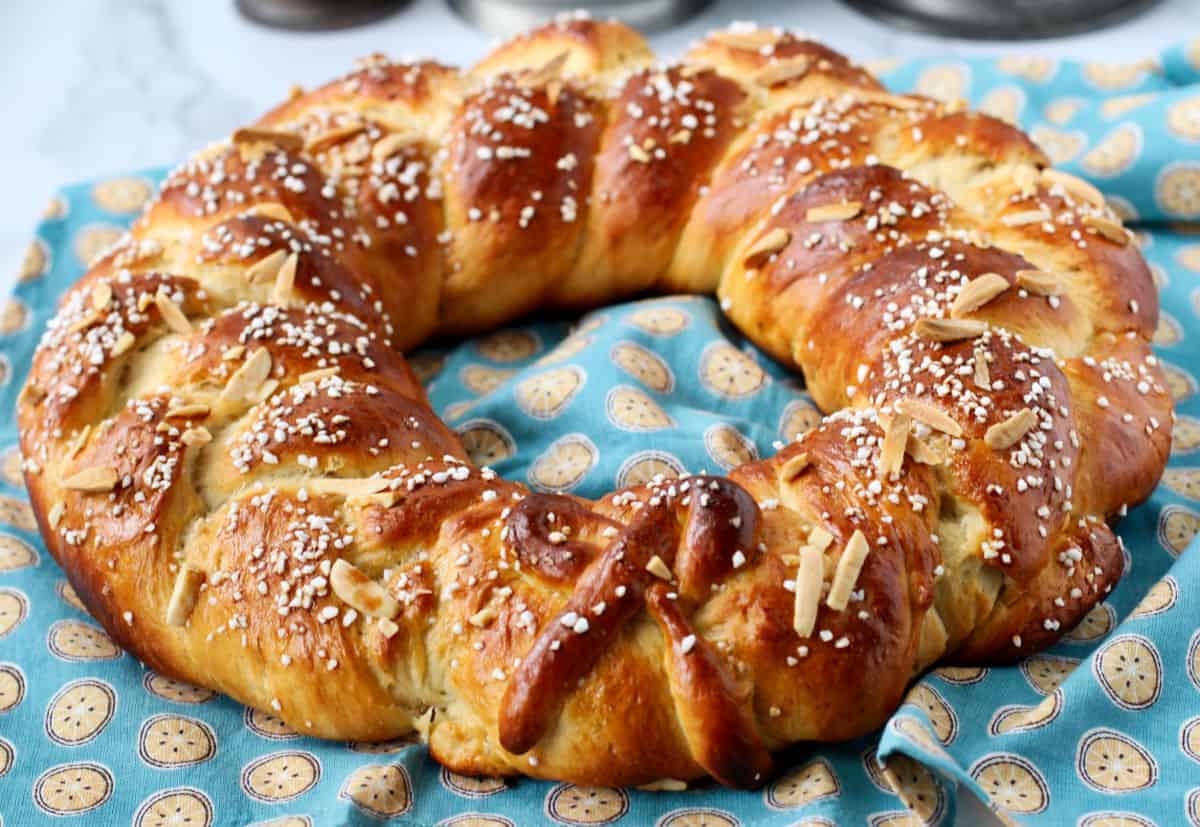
x: 96, y: 87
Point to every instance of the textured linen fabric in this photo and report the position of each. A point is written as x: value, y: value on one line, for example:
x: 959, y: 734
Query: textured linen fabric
x: 1104, y: 729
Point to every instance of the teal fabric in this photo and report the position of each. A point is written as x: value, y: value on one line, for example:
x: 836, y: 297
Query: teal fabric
x: 1106, y: 725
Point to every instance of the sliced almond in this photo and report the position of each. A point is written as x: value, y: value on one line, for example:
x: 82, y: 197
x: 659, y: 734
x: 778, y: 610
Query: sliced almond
x: 926, y: 451
x: 682, y: 136
x: 810, y: 578
x: 819, y: 538
x: 793, y: 468
x: 638, y: 154
x: 983, y: 377
x: 273, y: 210
x: 102, y: 294
x: 483, y: 618
x: 387, y: 627
x: 1074, y: 185
x: 285, y: 279
x: 194, y: 409
x: 1038, y: 282
x: 144, y: 301
x: 389, y: 145
x: 123, y: 343
x: 1026, y: 217
x: 234, y: 352
x: 659, y: 569
x: 1108, y: 228
x: 85, y: 321
x: 1004, y: 435
x: 781, y: 71
x: 950, y: 330
x: 172, y: 315
x: 317, y: 375
x: 771, y: 242
x: 357, y: 590
x: 94, y: 480
x: 664, y: 785
x: 256, y: 135
x: 78, y: 442
x: 249, y: 378
x: 753, y: 40
x: 266, y: 268
x: 895, y: 441
x: 845, y: 576
x: 1026, y: 179
x: 184, y: 595
x: 196, y: 437
x: 549, y: 70
x: 349, y: 487
x: 326, y: 139
x: 834, y: 212
x: 929, y: 414
x: 978, y: 292
x: 56, y: 514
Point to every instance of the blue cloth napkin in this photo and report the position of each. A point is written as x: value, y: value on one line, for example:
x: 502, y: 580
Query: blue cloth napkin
x: 1104, y: 729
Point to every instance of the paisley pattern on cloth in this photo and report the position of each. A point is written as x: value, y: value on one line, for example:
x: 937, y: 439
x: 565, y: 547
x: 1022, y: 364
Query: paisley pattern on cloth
x: 1104, y: 729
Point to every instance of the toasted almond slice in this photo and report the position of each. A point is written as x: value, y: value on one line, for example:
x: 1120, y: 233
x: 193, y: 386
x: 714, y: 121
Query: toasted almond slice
x: 845, y: 576
x: 285, y: 279
x: 978, y: 292
x: 317, y: 375
x: 895, y: 440
x: 929, y: 414
x: 924, y: 451
x: 682, y: 136
x: 390, y: 144
x: 659, y: 569
x: 1074, y: 185
x: 172, y: 315
x: 771, y: 242
x: 387, y: 627
x: 349, y: 487
x: 273, y: 210
x: 423, y: 724
x: 819, y: 538
x: 550, y: 70
x: 1026, y: 217
x: 95, y: 480
x: 834, y: 212
x: 360, y: 591
x: 195, y: 437
x: 950, y: 330
x: 183, y: 596
x: 85, y: 321
x: 1108, y: 228
x: 638, y: 154
x: 249, y: 378
x: 781, y: 71
x: 1004, y: 435
x: 267, y: 267
x: 1026, y: 179
x: 810, y: 578
x: 79, y: 441
x: 144, y: 301
x: 56, y: 514
x: 123, y: 343
x: 983, y: 377
x: 954, y: 106
x: 483, y: 618
x: 231, y: 353
x: 980, y: 239
x: 256, y: 135
x: 194, y: 409
x: 102, y: 294
x: 323, y: 140
x: 1038, y: 282
x: 793, y: 468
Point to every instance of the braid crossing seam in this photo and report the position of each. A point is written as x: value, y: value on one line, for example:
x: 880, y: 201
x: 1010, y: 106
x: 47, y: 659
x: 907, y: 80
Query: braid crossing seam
x: 243, y: 480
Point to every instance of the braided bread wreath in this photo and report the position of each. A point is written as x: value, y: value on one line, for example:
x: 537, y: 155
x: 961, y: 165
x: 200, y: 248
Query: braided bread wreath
x: 243, y: 480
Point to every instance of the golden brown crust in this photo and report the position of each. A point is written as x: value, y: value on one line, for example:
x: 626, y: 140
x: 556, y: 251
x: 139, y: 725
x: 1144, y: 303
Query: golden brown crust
x: 244, y: 482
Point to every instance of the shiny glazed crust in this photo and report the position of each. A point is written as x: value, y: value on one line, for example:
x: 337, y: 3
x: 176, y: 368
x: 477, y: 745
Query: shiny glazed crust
x: 243, y: 480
